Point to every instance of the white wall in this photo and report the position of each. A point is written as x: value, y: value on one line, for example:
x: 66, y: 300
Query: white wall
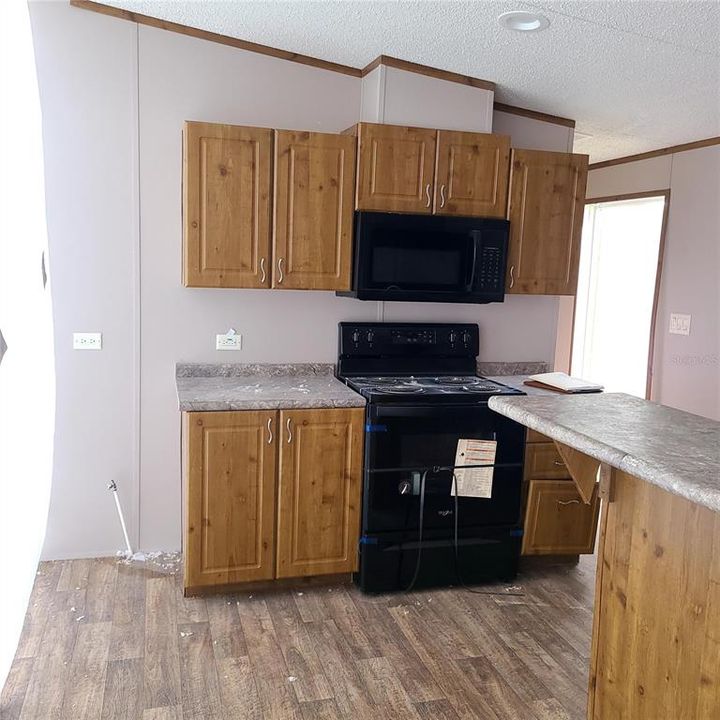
x: 108, y: 84
x: 532, y: 134
x: 686, y: 370
x: 87, y: 76
x: 400, y: 97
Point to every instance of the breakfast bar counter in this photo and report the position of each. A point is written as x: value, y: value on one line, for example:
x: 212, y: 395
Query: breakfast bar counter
x: 656, y: 629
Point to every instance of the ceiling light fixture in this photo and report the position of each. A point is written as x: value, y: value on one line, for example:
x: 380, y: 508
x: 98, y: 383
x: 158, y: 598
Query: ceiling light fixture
x: 523, y: 21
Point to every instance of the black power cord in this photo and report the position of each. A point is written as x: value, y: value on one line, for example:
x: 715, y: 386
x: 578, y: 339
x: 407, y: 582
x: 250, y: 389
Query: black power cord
x: 457, y: 555
x: 420, y: 530
x: 455, y: 535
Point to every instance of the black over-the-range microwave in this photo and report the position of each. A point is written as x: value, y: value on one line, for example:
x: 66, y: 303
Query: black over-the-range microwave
x: 429, y: 258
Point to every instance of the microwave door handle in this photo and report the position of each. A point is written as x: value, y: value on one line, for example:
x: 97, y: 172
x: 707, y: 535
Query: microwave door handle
x: 471, y: 269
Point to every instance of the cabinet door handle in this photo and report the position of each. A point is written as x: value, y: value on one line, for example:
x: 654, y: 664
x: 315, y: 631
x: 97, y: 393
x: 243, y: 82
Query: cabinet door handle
x: 270, y: 433
x: 559, y: 463
x: 280, y: 269
x: 289, y: 430
x: 427, y: 195
x: 442, y: 196
x: 512, y: 276
x: 262, y: 269
x: 568, y: 502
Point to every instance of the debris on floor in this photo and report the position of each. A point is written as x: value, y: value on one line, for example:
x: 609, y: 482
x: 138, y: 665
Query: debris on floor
x: 168, y: 563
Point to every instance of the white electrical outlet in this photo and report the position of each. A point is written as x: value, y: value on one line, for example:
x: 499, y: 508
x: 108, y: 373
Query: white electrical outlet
x: 229, y: 341
x: 679, y: 324
x: 87, y: 341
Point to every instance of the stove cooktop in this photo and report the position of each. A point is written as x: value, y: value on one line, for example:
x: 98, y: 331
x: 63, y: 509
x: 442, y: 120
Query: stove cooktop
x: 441, y: 387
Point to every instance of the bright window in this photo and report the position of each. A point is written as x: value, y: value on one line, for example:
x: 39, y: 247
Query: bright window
x: 616, y: 292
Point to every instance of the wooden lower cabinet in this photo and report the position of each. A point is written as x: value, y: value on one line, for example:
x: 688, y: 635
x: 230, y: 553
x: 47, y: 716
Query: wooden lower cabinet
x: 270, y: 494
x: 557, y: 521
x: 230, y: 462
x: 319, y: 491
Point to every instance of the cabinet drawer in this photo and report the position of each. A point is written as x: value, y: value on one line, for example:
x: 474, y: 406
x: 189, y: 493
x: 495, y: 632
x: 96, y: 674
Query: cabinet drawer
x: 543, y: 462
x: 557, y: 521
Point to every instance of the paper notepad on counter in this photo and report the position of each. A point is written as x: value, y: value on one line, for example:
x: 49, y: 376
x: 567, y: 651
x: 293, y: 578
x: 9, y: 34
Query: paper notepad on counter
x: 562, y: 382
x: 474, y: 481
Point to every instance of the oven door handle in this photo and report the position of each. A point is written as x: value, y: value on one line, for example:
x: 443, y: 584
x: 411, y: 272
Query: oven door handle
x: 429, y: 411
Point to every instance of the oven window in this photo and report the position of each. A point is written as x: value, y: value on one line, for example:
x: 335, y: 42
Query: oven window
x: 415, y: 260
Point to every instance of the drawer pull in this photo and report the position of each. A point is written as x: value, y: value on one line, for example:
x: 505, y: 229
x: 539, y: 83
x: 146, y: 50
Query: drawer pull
x: 559, y: 463
x: 568, y: 502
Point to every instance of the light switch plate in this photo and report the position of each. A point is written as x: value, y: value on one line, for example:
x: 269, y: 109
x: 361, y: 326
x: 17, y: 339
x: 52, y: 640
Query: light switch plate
x: 679, y: 324
x: 228, y: 342
x: 87, y: 341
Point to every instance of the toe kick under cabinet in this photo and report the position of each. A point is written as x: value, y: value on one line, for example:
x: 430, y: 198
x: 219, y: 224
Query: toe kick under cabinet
x: 270, y: 494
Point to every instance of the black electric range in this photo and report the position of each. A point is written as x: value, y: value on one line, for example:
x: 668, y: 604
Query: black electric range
x: 424, y: 396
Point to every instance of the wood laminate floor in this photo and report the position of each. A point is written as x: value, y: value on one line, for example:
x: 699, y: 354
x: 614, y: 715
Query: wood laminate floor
x: 104, y: 639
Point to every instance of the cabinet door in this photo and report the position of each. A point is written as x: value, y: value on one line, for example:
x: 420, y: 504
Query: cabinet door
x: 472, y: 174
x: 230, y: 472
x: 546, y: 204
x: 319, y: 491
x: 557, y: 521
x: 226, y: 202
x: 313, y: 210
x: 543, y: 462
x: 396, y: 167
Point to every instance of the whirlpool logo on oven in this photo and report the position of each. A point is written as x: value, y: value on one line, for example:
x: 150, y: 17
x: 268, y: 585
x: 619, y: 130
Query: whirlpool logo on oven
x: 444, y: 513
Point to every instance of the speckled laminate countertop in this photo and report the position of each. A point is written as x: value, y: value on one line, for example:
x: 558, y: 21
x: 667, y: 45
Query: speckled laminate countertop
x: 202, y: 387
x: 672, y: 449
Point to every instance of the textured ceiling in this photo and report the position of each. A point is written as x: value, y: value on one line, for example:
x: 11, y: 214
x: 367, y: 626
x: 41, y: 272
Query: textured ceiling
x: 635, y: 76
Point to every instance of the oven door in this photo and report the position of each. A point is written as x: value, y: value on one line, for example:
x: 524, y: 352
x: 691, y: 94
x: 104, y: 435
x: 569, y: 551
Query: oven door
x: 402, y: 442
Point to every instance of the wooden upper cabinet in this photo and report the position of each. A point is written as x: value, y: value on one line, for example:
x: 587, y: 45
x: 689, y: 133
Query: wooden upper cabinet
x: 396, y: 167
x: 230, y: 469
x: 313, y: 210
x: 319, y: 491
x: 472, y: 174
x: 226, y: 203
x: 546, y: 204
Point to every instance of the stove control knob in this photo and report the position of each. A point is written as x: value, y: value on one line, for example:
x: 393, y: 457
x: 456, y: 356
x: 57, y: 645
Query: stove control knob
x: 466, y: 338
x: 370, y: 336
x: 404, y: 487
x: 452, y: 337
x: 356, y: 337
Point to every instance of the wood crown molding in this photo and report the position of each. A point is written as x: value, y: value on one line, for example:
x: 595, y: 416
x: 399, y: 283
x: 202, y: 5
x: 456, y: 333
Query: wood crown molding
x: 534, y: 114
x: 656, y: 153
x: 315, y: 62
x: 214, y: 37
x: 390, y: 61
